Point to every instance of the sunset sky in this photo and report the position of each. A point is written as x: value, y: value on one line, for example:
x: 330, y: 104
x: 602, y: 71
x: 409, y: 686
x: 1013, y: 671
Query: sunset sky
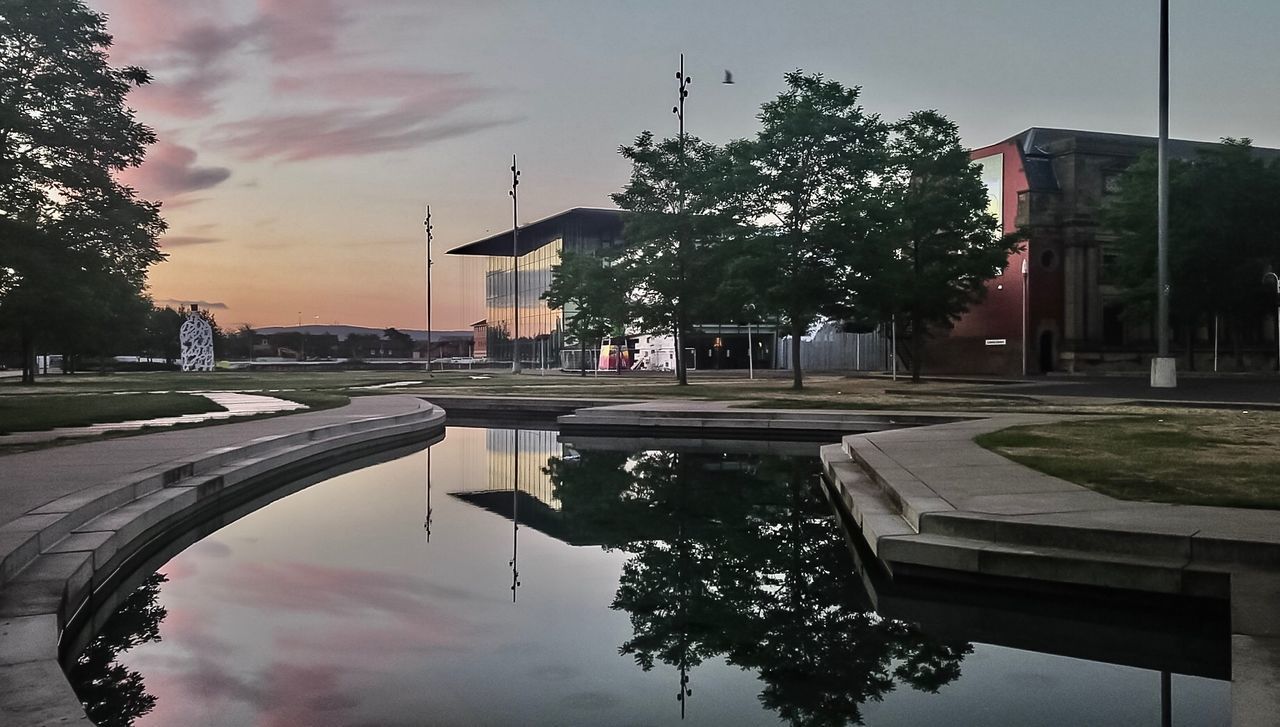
x: 301, y: 139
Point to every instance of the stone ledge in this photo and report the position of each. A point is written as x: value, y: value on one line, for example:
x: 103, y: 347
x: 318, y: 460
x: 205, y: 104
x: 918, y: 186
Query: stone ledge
x: 80, y: 550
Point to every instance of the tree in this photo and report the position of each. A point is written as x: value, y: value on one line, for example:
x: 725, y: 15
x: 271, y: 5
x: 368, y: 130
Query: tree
x: 934, y: 245
x: 1224, y: 235
x: 674, y: 235
x: 594, y: 300
x: 807, y: 182
x: 64, y: 133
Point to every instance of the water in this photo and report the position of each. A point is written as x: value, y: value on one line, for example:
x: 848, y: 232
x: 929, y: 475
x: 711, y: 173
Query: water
x: 639, y: 587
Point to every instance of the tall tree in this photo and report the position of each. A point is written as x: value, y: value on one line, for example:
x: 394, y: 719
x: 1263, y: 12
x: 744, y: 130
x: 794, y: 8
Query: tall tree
x: 64, y: 133
x: 592, y: 296
x: 1224, y: 235
x: 674, y: 236
x: 935, y: 245
x: 808, y: 183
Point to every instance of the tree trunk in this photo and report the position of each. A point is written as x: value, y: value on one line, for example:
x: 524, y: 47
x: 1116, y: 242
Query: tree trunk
x: 582, y: 360
x: 917, y: 347
x: 797, y: 376
x: 28, y: 356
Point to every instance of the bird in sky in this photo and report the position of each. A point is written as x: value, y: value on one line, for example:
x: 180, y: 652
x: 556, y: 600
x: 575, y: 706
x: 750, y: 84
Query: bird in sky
x: 728, y: 76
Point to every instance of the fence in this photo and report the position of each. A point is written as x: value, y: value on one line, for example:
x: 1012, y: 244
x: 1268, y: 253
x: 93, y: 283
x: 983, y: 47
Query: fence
x: 831, y: 349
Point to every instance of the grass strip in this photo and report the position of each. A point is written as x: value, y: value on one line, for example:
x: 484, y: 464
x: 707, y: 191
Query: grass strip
x: 1227, y: 459
x: 39, y: 413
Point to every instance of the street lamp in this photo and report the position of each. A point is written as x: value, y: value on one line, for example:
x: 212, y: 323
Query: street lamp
x: 1277, y: 278
x: 515, y: 269
x: 1163, y: 369
x: 1024, y: 315
x: 427, y: 223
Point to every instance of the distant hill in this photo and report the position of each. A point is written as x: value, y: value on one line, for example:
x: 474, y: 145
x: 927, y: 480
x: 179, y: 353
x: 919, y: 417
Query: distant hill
x: 343, y: 331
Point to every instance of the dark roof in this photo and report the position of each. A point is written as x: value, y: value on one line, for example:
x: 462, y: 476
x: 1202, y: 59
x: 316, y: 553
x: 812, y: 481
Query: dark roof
x: 1042, y: 141
x: 593, y: 221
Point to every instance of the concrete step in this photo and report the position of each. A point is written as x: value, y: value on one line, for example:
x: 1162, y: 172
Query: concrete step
x: 1018, y: 531
x: 906, y: 554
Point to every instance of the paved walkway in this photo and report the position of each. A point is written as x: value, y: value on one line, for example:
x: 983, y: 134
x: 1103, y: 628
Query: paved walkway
x: 31, y: 479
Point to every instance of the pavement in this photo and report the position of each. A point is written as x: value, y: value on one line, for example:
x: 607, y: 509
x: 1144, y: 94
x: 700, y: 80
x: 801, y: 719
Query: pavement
x: 1253, y: 389
x: 31, y: 479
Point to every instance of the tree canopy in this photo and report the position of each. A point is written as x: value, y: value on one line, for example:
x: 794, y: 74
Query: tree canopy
x: 69, y: 230
x: 588, y: 289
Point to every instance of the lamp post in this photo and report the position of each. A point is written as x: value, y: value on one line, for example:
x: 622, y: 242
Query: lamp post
x: 1163, y: 368
x: 427, y: 223
x: 515, y: 267
x: 683, y: 82
x: 1024, y: 315
x: 1277, y: 278
x: 751, y: 351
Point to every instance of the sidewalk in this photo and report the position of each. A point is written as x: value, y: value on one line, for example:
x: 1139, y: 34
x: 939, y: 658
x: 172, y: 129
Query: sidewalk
x: 31, y: 479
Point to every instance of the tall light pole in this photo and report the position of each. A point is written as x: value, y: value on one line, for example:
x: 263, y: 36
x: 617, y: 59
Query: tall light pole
x: 1163, y: 369
x: 427, y: 223
x: 683, y: 81
x: 1024, y: 315
x: 515, y: 267
x: 1277, y: 277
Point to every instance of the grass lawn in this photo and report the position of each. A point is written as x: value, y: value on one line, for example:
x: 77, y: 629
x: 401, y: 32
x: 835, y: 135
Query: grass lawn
x: 1225, y: 458
x: 38, y: 413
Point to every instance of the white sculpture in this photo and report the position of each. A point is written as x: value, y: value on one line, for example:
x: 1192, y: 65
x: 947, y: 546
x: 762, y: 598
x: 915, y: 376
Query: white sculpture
x: 196, y: 338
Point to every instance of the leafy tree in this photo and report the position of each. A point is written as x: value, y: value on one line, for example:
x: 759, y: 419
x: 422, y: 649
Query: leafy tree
x: 399, y: 342
x: 935, y: 245
x: 807, y: 180
x: 591, y: 294
x: 64, y: 133
x: 674, y: 236
x: 1224, y: 235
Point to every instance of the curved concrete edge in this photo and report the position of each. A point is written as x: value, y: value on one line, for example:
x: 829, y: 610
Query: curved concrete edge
x: 933, y: 502
x: 77, y: 544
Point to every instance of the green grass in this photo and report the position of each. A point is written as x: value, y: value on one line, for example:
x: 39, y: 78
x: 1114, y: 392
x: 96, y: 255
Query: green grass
x: 38, y: 413
x: 210, y: 381
x: 1223, y: 458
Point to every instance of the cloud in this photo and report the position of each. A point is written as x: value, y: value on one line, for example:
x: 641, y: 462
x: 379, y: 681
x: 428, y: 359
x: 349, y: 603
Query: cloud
x: 411, y: 113
x: 170, y: 170
x: 187, y: 240
x: 204, y: 304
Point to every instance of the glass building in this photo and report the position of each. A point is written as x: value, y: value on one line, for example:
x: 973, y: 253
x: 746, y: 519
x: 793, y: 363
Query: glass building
x: 541, y: 330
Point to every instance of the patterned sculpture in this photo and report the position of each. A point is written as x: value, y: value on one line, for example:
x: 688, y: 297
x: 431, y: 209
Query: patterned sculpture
x: 196, y: 337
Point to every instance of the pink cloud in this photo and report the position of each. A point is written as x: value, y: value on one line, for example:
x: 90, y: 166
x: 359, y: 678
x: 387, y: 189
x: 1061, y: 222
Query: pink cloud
x: 170, y: 170
x: 417, y: 101
x: 294, y: 29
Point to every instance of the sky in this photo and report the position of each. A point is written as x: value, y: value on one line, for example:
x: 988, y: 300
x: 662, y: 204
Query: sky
x: 300, y: 140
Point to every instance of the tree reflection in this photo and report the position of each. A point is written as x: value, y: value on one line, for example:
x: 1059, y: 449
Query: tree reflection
x: 112, y: 694
x: 735, y: 557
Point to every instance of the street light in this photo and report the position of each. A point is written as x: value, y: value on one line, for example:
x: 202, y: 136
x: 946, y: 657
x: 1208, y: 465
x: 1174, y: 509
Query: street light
x: 515, y: 270
x: 1277, y: 277
x: 1024, y: 315
x: 1163, y: 368
x: 427, y: 224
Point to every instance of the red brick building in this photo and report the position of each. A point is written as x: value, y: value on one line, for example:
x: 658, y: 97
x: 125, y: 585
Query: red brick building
x: 1055, y: 183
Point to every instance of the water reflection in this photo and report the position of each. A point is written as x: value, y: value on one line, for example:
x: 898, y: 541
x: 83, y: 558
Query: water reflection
x: 643, y: 572
x: 735, y: 557
x: 113, y: 694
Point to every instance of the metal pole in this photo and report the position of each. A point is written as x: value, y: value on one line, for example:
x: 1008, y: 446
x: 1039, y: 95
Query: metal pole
x: 1163, y: 371
x: 751, y: 354
x: 1215, y: 343
x: 427, y: 223
x: 678, y: 110
x: 893, y: 323
x: 1024, y: 316
x: 1277, y: 277
x: 515, y: 267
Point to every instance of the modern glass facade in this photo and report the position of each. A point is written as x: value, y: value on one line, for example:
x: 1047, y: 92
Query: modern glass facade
x: 518, y: 458
x: 541, y: 329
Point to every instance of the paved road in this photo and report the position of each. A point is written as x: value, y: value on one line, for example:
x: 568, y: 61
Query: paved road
x: 1225, y: 390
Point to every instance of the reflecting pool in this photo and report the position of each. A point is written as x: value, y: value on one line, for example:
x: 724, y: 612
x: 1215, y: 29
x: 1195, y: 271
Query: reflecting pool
x: 501, y: 577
